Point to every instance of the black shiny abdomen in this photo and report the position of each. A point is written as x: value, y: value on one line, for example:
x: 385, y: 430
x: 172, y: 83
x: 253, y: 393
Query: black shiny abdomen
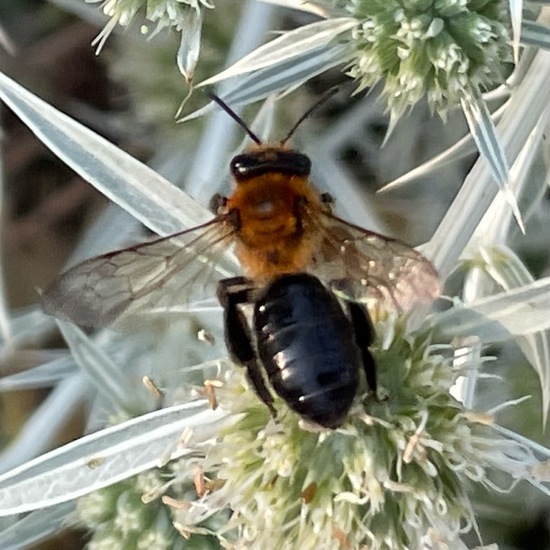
x: 306, y: 344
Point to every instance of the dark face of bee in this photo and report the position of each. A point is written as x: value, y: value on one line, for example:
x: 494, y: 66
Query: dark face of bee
x: 258, y: 163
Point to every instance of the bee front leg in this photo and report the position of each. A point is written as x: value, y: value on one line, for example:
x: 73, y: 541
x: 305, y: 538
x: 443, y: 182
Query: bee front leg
x: 238, y: 336
x: 363, y: 331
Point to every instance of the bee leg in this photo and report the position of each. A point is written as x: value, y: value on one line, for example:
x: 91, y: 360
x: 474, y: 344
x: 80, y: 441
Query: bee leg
x: 363, y: 331
x: 238, y: 336
x: 234, y: 291
x: 217, y: 203
x: 256, y: 378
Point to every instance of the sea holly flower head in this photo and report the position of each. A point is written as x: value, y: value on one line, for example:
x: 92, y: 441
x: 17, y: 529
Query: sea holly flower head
x: 435, y: 48
x: 395, y: 475
x: 117, y: 516
x: 164, y: 13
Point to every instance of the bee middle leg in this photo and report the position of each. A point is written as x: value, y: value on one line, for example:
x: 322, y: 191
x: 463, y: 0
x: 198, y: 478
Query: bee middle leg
x: 363, y: 331
x: 238, y: 336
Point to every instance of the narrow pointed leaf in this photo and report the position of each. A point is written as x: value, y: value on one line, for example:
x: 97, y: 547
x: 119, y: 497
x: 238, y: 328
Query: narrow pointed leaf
x: 288, y: 74
x: 43, y: 375
x: 484, y: 133
x: 105, y: 457
x: 37, y: 526
x: 290, y: 45
x: 526, y: 106
x: 126, y: 181
x: 504, y: 266
x: 100, y: 369
x: 522, y: 311
x: 459, y: 150
x: 535, y: 34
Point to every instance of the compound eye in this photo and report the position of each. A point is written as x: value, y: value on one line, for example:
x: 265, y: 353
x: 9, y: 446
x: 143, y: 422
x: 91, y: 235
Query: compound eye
x: 240, y: 165
x: 258, y: 163
x: 302, y: 164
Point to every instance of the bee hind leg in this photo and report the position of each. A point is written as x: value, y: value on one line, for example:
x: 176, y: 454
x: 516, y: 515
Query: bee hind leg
x: 238, y: 336
x: 364, y: 334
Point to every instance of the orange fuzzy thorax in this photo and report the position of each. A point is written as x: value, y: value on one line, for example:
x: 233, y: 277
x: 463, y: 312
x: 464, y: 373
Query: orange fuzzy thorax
x: 274, y: 236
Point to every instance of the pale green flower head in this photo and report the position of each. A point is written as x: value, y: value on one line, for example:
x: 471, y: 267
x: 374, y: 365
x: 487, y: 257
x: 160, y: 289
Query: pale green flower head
x: 396, y: 474
x: 125, y: 516
x: 434, y: 48
x: 163, y: 13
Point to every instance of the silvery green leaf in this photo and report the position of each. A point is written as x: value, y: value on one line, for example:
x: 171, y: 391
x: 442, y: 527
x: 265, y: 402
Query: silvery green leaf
x: 504, y: 266
x: 519, y: 312
x: 100, y: 369
x: 46, y: 372
x: 36, y: 526
x: 484, y: 134
x: 123, y: 179
x: 29, y: 322
x: 535, y: 34
x: 462, y: 322
x: 523, y: 310
x: 264, y: 82
x: 290, y: 45
x: 107, y: 456
x: 289, y: 74
x: 6, y: 333
x: 462, y: 148
x: 526, y: 105
x: 112, y: 228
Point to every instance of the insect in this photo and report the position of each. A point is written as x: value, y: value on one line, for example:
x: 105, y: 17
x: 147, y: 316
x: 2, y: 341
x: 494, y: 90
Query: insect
x: 308, y: 276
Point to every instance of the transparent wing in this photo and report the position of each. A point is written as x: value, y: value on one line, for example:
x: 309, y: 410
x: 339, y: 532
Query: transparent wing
x: 370, y: 267
x: 138, y: 279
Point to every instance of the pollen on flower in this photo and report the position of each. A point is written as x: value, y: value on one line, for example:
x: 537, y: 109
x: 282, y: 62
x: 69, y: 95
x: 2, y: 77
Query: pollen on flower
x: 396, y: 474
x: 383, y: 480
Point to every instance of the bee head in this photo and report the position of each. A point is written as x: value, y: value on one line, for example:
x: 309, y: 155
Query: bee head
x: 267, y: 160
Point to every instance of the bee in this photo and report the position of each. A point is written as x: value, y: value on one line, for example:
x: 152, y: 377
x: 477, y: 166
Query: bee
x: 307, y: 274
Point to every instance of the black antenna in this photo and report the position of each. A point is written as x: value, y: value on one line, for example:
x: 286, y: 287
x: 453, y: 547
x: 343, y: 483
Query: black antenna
x: 234, y: 116
x: 310, y: 111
